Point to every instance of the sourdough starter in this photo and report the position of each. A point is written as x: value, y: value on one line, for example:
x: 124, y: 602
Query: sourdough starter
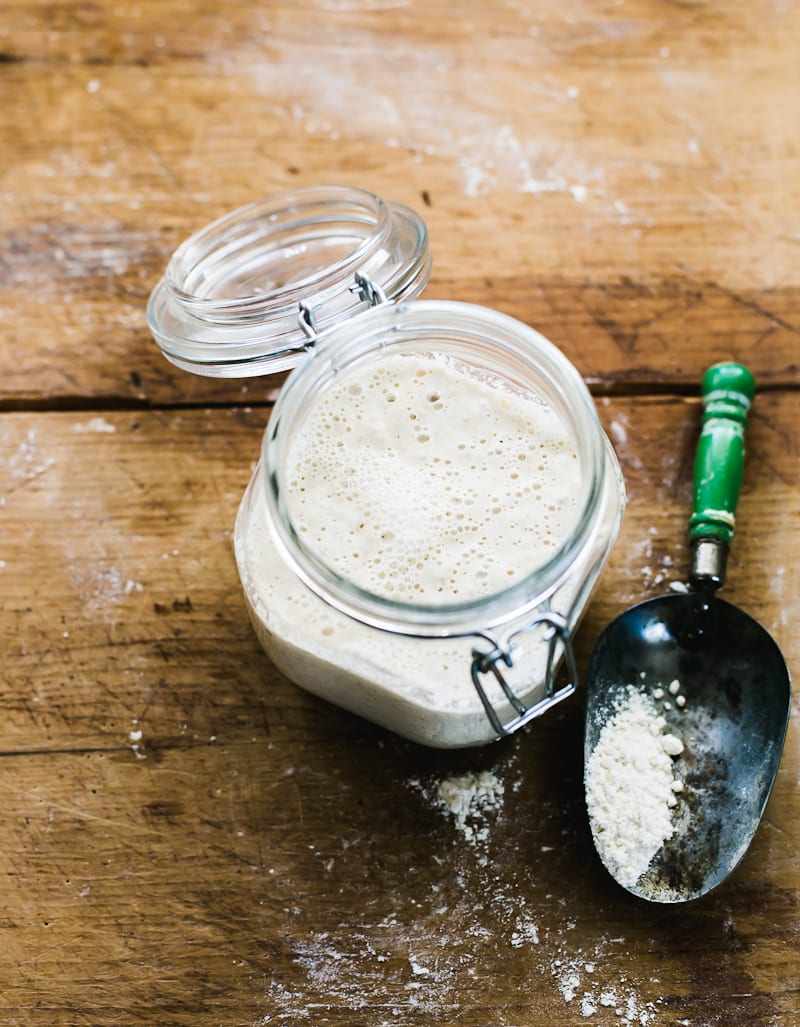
x: 420, y: 480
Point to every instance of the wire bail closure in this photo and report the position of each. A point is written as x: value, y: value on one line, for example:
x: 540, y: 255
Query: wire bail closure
x: 557, y: 630
x: 368, y: 292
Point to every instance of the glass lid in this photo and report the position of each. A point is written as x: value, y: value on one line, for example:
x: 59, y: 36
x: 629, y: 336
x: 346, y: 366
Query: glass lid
x: 244, y: 295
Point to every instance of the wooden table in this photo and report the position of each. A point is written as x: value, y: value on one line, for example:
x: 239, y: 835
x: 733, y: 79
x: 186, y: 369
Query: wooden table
x: 186, y: 837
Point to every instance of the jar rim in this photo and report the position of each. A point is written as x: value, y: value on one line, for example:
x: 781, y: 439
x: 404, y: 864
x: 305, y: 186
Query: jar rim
x: 188, y: 274
x: 375, y: 334
x: 229, y: 302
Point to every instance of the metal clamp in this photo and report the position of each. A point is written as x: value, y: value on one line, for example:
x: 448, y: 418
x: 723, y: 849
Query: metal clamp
x: 308, y: 323
x: 366, y: 290
x: 557, y: 630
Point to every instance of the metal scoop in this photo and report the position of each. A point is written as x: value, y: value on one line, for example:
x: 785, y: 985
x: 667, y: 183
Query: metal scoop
x: 731, y: 705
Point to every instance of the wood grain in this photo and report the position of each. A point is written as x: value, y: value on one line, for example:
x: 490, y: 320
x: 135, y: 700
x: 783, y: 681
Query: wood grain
x: 257, y: 853
x: 121, y: 595
x: 188, y: 838
x: 625, y: 178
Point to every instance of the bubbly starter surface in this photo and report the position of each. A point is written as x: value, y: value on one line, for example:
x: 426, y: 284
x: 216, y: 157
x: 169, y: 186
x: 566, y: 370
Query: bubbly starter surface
x: 423, y: 481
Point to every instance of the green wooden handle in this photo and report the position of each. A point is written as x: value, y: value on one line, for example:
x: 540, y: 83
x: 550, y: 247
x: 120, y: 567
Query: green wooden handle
x: 728, y: 391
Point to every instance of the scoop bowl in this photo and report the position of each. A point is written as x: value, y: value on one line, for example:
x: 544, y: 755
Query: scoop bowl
x: 737, y: 694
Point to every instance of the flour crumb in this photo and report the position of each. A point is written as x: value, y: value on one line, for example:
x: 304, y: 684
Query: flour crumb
x: 672, y: 744
x: 135, y: 738
x: 417, y: 969
x: 526, y: 931
x: 97, y: 425
x: 608, y: 999
x: 569, y: 984
x: 629, y: 782
x: 469, y: 797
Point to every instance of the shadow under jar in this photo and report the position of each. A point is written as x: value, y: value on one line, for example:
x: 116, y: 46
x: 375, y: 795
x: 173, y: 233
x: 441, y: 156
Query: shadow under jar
x: 435, y: 497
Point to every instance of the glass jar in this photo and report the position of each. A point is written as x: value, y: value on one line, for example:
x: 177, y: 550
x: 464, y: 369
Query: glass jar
x: 397, y: 436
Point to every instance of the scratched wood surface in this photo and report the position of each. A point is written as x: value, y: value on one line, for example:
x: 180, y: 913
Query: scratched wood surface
x: 186, y: 837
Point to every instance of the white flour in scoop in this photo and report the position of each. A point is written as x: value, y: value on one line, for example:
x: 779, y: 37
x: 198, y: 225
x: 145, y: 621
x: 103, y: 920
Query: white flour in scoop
x: 631, y: 787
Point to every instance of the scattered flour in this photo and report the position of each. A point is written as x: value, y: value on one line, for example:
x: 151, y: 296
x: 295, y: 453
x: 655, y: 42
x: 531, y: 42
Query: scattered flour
x: 525, y: 931
x: 26, y: 462
x: 568, y: 972
x: 97, y: 425
x: 630, y: 786
x: 469, y: 797
x: 103, y: 586
x: 135, y: 737
x: 569, y: 984
x: 413, y: 962
x: 491, y: 147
